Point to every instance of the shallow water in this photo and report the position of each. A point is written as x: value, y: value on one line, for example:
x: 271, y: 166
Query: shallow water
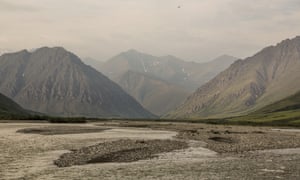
x: 287, y: 130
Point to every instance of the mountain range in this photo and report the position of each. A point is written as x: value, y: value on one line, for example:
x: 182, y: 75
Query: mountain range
x: 168, y: 68
x: 160, y: 84
x: 56, y: 82
x: 247, y: 85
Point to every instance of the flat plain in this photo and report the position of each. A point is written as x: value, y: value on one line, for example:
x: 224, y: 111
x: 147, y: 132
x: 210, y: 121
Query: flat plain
x: 199, y: 151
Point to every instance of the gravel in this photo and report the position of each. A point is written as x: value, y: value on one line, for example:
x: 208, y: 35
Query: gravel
x: 243, y: 141
x: 31, y: 156
x: 124, y: 150
x: 229, y: 139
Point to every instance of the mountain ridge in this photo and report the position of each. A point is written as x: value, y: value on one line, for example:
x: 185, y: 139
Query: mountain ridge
x: 162, y: 73
x: 248, y: 84
x: 168, y: 68
x: 56, y: 82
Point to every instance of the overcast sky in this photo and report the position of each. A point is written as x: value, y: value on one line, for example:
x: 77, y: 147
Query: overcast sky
x: 199, y: 30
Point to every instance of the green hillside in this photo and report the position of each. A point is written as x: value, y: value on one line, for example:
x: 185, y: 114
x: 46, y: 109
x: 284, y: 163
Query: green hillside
x: 283, y: 112
x: 290, y: 103
x: 9, y: 108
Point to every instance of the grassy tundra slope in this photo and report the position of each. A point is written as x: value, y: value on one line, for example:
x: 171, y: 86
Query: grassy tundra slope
x: 9, y: 108
x: 283, y: 112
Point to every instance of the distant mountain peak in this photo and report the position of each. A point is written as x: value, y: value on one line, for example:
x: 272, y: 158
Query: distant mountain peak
x: 171, y: 57
x: 56, y: 49
x: 132, y: 51
x: 58, y: 54
x: 227, y: 56
x: 49, y: 48
x: 130, y: 55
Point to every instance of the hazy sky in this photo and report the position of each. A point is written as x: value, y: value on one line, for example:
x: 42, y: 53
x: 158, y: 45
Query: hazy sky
x: 200, y: 30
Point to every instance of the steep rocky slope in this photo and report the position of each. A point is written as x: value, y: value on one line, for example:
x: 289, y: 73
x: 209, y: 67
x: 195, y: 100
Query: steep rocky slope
x: 247, y: 85
x: 56, y: 82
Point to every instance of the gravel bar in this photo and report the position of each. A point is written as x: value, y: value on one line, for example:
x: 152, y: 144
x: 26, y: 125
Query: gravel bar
x: 124, y: 150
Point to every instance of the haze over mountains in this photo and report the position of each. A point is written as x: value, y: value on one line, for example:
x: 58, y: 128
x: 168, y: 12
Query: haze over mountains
x: 169, y: 68
x: 160, y: 84
x: 92, y: 62
x: 156, y: 95
x: 247, y: 85
x: 56, y: 82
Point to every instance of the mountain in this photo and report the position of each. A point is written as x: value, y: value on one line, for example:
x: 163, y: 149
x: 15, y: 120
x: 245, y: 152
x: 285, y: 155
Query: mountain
x: 156, y: 95
x: 9, y: 107
x: 159, y: 83
x: 247, y: 85
x: 56, y: 82
x: 168, y: 68
x: 208, y: 70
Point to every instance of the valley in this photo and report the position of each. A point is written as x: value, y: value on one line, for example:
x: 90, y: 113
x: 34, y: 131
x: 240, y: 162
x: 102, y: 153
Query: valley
x: 148, y: 90
x: 154, y: 81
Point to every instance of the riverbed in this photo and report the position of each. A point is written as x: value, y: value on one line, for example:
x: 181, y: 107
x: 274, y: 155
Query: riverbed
x: 32, y: 155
